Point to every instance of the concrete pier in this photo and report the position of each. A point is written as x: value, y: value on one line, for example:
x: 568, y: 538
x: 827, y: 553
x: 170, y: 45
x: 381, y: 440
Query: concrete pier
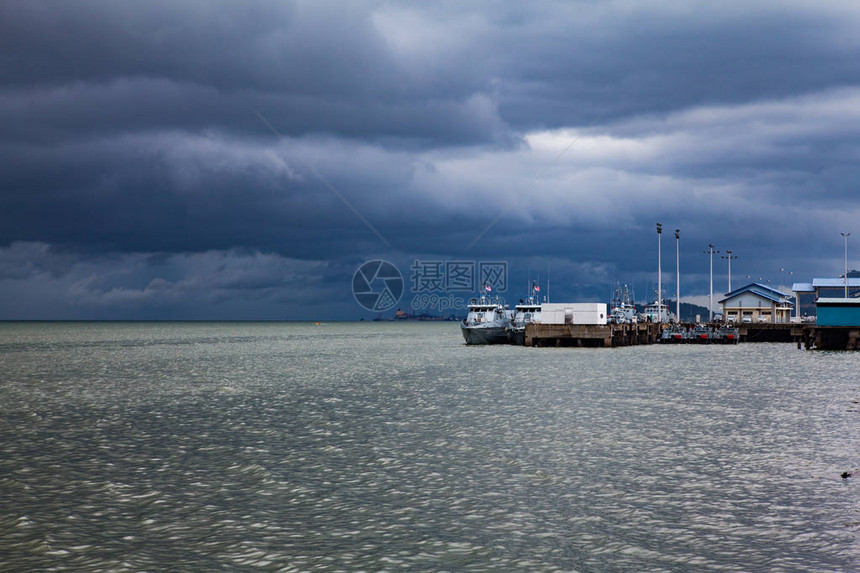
x: 831, y: 337
x: 592, y: 335
x: 770, y: 332
x: 611, y: 335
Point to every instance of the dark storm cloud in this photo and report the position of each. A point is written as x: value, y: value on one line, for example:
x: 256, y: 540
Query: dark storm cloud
x: 176, y: 191
x: 130, y: 136
x: 617, y: 59
x: 232, y: 284
x: 429, y: 72
x: 311, y: 67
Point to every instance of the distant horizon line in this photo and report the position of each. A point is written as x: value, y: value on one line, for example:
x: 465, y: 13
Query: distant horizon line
x: 236, y: 320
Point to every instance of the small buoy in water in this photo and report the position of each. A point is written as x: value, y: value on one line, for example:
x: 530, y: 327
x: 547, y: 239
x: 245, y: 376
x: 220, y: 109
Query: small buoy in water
x: 317, y: 323
x: 846, y: 475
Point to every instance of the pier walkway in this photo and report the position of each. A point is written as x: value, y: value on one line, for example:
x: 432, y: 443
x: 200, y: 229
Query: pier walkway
x: 612, y: 335
x: 592, y: 335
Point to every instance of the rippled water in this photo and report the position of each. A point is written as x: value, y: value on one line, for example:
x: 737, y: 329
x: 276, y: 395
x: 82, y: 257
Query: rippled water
x: 393, y: 446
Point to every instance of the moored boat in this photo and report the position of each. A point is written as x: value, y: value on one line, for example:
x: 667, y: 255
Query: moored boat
x: 674, y: 334
x: 701, y: 334
x: 622, y: 310
x: 726, y: 335
x: 487, y: 321
x: 526, y: 312
x: 657, y: 312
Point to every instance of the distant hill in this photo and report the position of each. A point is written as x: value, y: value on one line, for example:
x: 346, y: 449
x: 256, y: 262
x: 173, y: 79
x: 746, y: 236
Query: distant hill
x: 688, y: 311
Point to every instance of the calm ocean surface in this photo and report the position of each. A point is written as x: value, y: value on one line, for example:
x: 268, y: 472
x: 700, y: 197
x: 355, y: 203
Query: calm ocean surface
x: 393, y: 446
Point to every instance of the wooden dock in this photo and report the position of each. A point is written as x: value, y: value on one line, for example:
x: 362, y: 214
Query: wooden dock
x: 592, y: 335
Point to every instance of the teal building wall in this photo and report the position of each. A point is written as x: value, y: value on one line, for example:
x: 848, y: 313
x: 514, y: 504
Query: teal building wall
x: 839, y: 315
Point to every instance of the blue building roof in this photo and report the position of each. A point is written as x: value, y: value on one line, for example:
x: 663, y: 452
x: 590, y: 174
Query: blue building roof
x: 837, y: 282
x: 838, y: 301
x: 760, y: 290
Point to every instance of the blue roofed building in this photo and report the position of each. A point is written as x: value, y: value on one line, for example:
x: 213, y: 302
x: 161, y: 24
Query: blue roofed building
x: 828, y: 288
x: 757, y: 303
x: 804, y: 296
x: 835, y: 288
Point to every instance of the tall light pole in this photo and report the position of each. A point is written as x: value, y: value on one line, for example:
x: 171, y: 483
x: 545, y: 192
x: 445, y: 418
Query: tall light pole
x: 790, y: 286
x: 677, y: 276
x: 729, y: 257
x: 711, y: 252
x: 845, y: 236
x: 659, y: 275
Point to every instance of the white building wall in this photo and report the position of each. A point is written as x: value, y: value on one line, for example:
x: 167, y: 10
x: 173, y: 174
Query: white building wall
x: 573, y: 313
x: 751, y: 305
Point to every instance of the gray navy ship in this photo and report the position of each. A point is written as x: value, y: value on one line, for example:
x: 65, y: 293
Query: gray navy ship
x: 487, y: 320
x: 526, y: 312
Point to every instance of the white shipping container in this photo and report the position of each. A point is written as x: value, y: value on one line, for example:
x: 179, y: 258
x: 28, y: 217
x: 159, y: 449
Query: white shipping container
x: 573, y: 313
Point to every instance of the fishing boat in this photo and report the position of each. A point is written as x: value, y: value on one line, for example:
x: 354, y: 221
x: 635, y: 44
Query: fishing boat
x: 487, y: 320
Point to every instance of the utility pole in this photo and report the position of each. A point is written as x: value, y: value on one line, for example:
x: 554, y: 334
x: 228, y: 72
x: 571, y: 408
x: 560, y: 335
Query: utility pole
x: 711, y: 252
x: 796, y: 296
x: 845, y: 236
x: 678, y: 275
x: 729, y: 257
x: 659, y: 276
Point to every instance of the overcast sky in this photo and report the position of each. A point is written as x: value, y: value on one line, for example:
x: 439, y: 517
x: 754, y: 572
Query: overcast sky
x: 215, y: 160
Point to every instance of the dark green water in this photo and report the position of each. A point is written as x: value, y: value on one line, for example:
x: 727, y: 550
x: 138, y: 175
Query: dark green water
x: 391, y: 447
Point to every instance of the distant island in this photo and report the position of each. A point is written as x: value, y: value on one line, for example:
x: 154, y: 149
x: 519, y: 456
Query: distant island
x: 400, y: 314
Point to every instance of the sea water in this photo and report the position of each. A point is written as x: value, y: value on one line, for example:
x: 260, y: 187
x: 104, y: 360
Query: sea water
x: 394, y: 446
